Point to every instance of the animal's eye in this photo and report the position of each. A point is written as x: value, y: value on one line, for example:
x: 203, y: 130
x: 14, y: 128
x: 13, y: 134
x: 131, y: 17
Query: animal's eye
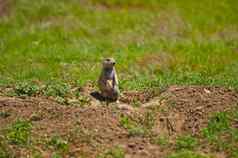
x: 107, y: 59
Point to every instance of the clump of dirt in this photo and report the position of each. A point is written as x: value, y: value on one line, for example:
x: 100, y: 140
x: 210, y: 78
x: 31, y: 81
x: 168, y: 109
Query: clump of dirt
x: 131, y: 97
x: 187, y: 109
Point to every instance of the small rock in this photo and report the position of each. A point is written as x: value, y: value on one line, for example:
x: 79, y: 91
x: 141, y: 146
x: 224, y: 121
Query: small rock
x: 35, y: 117
x: 207, y: 91
x: 125, y: 107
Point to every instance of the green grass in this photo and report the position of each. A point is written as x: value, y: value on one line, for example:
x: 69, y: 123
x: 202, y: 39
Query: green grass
x: 115, y: 152
x: 217, y: 124
x: 26, y: 89
x: 187, y: 154
x: 186, y: 142
x: 59, y: 144
x: 133, y: 127
x: 141, y: 126
x: 155, y: 43
x: 220, y: 133
x: 4, y: 114
x: 163, y: 141
x: 220, y: 136
x: 56, y: 155
x: 19, y: 133
x: 56, y: 89
x: 5, y: 151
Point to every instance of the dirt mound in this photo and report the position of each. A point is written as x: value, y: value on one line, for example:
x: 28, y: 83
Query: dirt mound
x: 94, y: 129
x: 89, y: 131
x: 188, y: 108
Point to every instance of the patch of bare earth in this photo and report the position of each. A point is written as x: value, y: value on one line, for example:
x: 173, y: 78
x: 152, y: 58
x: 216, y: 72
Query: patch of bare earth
x: 187, y: 109
x: 94, y: 129
x: 159, y: 61
x: 131, y: 97
x: 89, y: 131
x: 170, y: 25
x: 4, y: 5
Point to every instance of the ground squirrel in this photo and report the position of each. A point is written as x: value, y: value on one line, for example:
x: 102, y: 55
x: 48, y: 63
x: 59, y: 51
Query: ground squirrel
x: 108, y: 82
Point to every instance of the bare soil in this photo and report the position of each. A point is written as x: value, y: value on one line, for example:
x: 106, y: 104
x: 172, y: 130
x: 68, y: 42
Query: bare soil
x: 93, y: 129
x: 187, y: 109
x: 4, y: 6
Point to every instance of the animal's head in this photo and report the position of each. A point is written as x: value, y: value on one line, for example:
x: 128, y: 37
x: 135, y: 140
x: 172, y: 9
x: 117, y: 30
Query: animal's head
x: 108, y: 63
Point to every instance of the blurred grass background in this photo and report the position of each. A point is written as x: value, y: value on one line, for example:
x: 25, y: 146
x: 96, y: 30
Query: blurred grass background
x: 155, y: 42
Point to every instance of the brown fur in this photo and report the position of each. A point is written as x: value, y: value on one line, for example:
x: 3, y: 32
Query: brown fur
x: 108, y: 82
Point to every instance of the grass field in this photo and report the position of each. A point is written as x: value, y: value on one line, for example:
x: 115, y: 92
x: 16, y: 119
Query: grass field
x: 50, y: 57
x: 155, y: 42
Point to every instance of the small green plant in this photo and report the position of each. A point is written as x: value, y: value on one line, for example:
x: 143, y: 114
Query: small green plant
x: 149, y: 119
x: 61, y: 100
x: 186, y: 142
x: 234, y: 154
x: 26, y: 89
x: 221, y: 133
x: 126, y: 122
x: 160, y: 140
x: 59, y: 144
x: 221, y: 144
x: 218, y: 123
x: 10, y: 92
x: 137, y: 131
x: 56, y: 89
x: 234, y: 134
x: 4, y: 149
x: 84, y: 100
x: 115, y: 152
x: 187, y: 154
x: 136, y: 103
x: 79, y: 99
x: 36, y: 154
x: 134, y: 129
x: 19, y: 132
x: 4, y: 114
x: 85, y: 136
x: 56, y: 155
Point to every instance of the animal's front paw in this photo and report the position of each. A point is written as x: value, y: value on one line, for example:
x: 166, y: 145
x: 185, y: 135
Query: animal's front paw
x: 109, y: 85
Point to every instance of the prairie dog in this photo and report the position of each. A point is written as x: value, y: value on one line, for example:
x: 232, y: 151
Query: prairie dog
x: 108, y: 82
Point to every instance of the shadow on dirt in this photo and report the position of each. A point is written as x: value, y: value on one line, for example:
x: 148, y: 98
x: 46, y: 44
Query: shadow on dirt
x: 99, y: 97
